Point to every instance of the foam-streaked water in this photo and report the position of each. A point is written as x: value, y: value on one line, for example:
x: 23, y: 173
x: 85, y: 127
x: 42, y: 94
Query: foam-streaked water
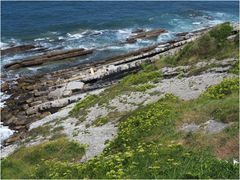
x: 101, y: 25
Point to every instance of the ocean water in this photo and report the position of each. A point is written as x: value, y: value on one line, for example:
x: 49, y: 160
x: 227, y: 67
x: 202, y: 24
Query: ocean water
x: 100, y: 25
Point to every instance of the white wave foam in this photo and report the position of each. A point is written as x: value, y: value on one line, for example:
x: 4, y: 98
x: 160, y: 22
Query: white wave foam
x: 5, y: 132
x: 42, y: 39
x: 3, y: 99
x: 215, y: 22
x: 131, y: 46
x: 197, y: 23
x: 123, y: 34
x: 61, y: 38
x: 165, y: 37
x: 75, y: 36
x: 34, y: 69
x: 3, y: 45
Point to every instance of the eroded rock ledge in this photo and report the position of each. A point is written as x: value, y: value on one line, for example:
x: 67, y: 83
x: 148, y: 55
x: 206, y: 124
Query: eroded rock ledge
x: 48, y: 57
x: 33, y: 98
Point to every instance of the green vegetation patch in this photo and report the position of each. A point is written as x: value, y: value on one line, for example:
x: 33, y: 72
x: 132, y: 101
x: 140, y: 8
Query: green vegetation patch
x: 141, y: 78
x: 101, y: 121
x: 235, y: 68
x: 149, y: 146
x: 131, y: 83
x: 227, y: 86
x: 144, y: 87
x: 80, y: 109
x: 45, y: 131
x: 213, y: 44
x: 23, y: 161
x: 40, y: 131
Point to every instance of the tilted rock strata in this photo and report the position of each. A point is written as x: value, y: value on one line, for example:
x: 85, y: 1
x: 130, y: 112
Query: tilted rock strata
x: 35, y: 97
x: 50, y: 56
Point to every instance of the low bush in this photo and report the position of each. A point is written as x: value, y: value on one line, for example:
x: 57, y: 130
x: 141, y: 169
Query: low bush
x: 141, y: 78
x: 226, y: 87
x: 213, y: 44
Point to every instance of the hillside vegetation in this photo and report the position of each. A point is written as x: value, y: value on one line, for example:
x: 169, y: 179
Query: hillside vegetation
x: 149, y: 143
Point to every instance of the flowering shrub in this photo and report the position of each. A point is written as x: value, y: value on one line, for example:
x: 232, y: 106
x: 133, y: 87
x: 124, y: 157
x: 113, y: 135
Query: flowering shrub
x: 226, y: 87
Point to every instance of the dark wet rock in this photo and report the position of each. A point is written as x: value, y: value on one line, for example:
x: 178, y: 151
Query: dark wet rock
x: 182, y: 34
x: 16, y: 49
x: 25, y: 106
x: 41, y: 95
x: 131, y: 40
x: 139, y: 30
x: 50, y: 56
x: 4, y: 87
x: 145, y: 35
x: 12, y: 139
x: 36, y: 103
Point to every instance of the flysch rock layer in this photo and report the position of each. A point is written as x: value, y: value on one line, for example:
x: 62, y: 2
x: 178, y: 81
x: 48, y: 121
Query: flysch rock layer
x: 33, y: 98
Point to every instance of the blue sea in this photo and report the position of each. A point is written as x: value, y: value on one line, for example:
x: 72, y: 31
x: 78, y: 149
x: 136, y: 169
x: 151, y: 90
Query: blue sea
x: 100, y: 25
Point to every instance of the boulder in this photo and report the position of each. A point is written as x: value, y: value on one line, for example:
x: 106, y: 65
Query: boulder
x: 145, y: 35
x: 131, y: 40
x: 182, y: 34
x: 4, y: 86
x: 67, y: 93
x: 11, y: 120
x: 12, y: 139
x: 75, y: 85
x: 57, y: 93
x: 31, y: 110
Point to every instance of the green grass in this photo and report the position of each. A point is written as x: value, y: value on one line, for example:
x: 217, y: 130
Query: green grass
x: 235, y: 68
x: 80, y: 109
x: 101, y: 121
x: 131, y: 83
x: 149, y: 145
x: 143, y: 87
x: 228, y: 86
x: 141, y: 78
x: 211, y: 45
x: 40, y: 131
x: 45, y: 131
x: 23, y: 161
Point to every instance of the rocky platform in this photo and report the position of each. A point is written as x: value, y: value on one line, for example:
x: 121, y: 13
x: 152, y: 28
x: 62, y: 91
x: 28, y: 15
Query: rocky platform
x: 48, y: 57
x: 141, y: 34
x: 33, y: 98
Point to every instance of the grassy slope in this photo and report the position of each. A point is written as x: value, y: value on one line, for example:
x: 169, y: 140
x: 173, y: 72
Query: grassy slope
x: 148, y: 143
x: 211, y: 45
x: 149, y: 146
x: 22, y: 163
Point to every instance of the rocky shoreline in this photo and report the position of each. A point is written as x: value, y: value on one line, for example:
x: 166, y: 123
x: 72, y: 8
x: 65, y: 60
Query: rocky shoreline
x: 33, y: 98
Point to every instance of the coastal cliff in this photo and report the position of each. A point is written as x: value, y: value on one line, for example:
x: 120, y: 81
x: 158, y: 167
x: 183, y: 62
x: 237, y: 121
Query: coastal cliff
x: 139, y: 115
